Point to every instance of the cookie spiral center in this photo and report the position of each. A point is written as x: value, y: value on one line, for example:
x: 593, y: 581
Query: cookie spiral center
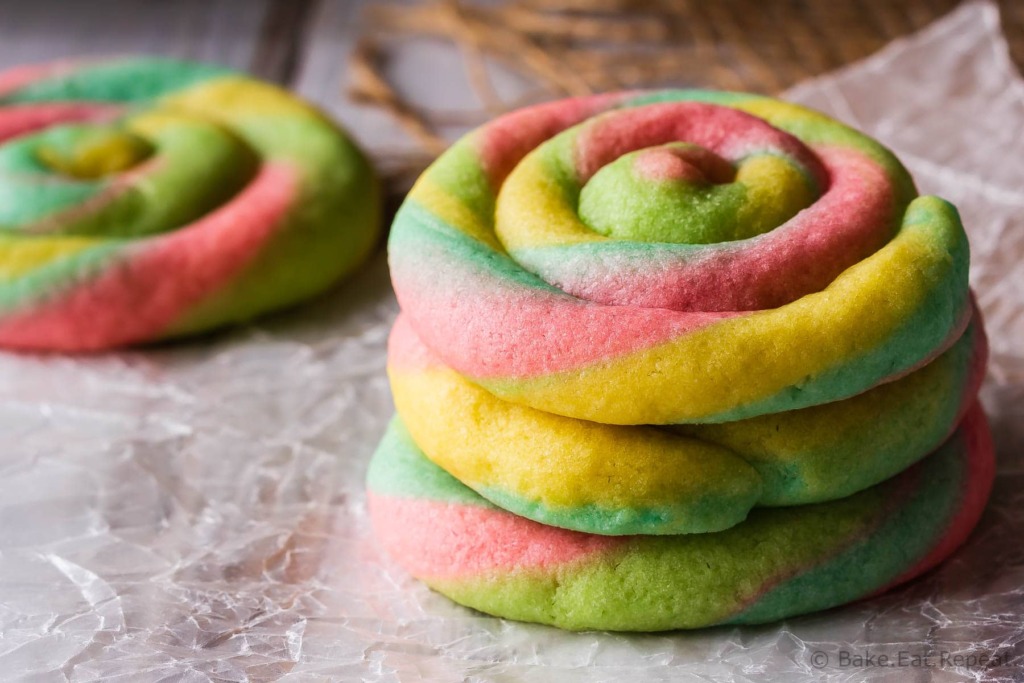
x: 627, y: 191
x: 88, y: 153
x: 678, y: 193
x: 149, y: 172
x: 682, y: 193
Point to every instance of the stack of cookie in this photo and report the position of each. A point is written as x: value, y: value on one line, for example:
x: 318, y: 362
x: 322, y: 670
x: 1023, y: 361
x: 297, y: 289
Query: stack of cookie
x: 676, y: 359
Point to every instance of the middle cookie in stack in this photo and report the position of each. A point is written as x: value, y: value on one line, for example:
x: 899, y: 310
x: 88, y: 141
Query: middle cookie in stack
x: 674, y: 315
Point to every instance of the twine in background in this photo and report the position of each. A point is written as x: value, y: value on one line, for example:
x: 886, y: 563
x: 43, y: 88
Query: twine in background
x: 577, y: 47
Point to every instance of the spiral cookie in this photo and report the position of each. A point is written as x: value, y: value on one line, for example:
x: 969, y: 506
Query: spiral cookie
x: 661, y: 315
x: 609, y: 479
x: 146, y: 199
x: 867, y: 281
x: 778, y: 563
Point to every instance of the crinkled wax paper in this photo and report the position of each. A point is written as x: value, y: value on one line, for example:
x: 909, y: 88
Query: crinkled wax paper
x: 195, y: 512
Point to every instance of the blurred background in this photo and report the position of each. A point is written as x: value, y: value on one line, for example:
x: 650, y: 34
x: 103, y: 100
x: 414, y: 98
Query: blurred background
x: 409, y: 76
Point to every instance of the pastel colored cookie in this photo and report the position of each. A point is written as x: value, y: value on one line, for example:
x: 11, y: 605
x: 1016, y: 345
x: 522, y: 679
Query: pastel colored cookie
x: 144, y: 199
x: 674, y: 359
x: 576, y: 258
x: 778, y: 563
x: 609, y: 479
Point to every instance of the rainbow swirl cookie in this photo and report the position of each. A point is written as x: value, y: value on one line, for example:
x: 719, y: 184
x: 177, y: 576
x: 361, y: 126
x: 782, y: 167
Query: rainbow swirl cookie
x: 610, y: 479
x: 145, y: 199
x: 778, y: 563
x: 654, y: 317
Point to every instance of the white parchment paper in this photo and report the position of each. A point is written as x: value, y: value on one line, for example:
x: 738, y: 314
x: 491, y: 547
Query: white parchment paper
x: 195, y: 512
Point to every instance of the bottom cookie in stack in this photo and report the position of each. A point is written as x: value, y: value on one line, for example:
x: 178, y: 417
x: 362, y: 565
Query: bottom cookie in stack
x: 779, y: 562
